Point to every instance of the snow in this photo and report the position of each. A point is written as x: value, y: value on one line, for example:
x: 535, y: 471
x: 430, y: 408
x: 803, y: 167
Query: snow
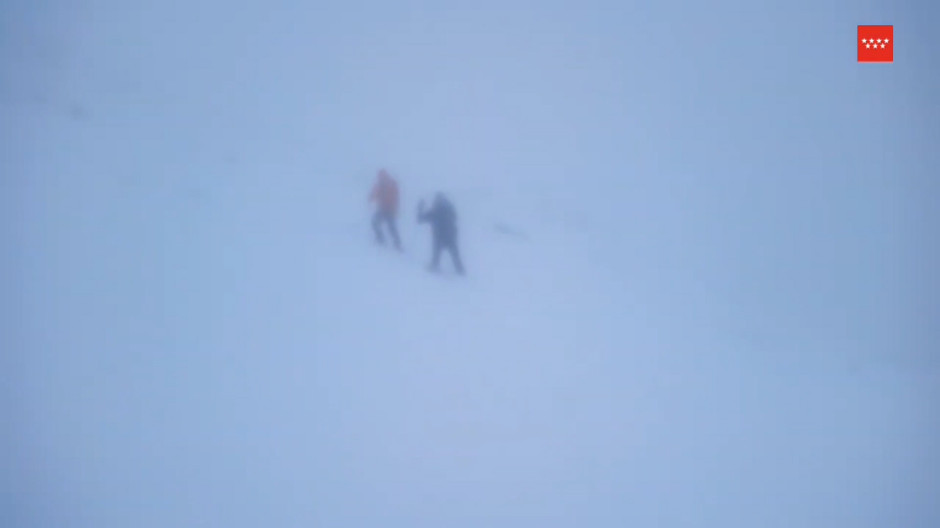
x: 198, y: 330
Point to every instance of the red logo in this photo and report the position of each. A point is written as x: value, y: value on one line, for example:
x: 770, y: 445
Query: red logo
x: 875, y: 43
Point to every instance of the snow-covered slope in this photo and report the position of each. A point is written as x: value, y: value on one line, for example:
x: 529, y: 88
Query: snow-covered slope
x: 670, y: 319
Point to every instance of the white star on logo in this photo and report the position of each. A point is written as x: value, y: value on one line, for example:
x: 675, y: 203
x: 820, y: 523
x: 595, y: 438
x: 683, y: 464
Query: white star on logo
x: 868, y: 45
x: 882, y: 46
x: 886, y: 41
x: 879, y: 41
x: 863, y: 41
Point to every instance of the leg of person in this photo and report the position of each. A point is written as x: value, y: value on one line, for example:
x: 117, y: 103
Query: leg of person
x: 436, y: 255
x: 390, y: 218
x: 377, y: 227
x: 455, y: 256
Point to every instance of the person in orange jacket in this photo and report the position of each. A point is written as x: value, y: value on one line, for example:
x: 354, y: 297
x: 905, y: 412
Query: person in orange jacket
x: 385, y: 195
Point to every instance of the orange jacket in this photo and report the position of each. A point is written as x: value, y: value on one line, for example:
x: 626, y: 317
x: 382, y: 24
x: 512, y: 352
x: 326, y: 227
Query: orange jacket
x: 385, y: 193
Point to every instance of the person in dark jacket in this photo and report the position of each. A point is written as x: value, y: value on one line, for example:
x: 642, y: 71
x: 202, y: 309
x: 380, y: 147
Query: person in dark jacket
x: 443, y: 220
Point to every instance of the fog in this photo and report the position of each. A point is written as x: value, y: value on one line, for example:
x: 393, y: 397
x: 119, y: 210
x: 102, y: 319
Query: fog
x: 700, y: 241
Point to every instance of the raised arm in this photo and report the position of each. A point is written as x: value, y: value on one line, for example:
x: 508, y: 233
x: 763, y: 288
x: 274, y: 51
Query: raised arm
x: 425, y: 215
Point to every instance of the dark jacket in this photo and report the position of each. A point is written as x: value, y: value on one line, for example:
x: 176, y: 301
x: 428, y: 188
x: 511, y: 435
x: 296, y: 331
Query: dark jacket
x: 443, y: 220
